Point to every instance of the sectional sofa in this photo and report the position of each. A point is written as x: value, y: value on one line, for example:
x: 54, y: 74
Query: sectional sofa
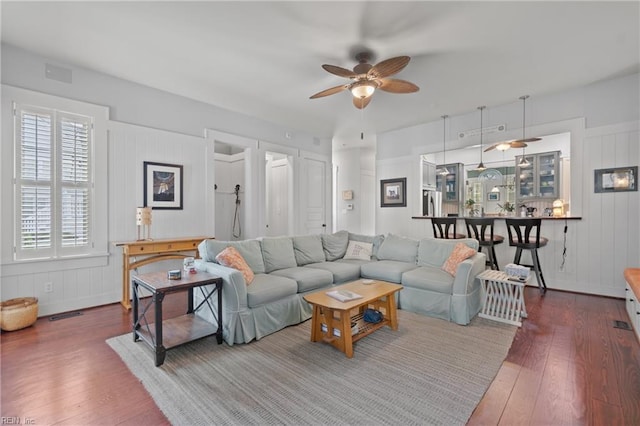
x: 286, y: 268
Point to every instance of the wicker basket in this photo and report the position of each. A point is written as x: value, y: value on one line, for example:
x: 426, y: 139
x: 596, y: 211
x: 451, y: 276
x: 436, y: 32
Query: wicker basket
x: 18, y: 313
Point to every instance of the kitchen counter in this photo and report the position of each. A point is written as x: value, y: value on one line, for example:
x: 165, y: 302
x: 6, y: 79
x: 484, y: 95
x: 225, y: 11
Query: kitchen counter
x: 509, y: 217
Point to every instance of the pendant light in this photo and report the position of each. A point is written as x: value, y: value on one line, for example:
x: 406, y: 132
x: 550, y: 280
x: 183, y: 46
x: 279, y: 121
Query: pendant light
x: 523, y: 161
x: 443, y: 170
x: 481, y: 166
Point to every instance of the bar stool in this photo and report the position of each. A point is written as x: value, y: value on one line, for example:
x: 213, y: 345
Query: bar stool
x: 445, y: 227
x: 524, y: 234
x: 482, y: 230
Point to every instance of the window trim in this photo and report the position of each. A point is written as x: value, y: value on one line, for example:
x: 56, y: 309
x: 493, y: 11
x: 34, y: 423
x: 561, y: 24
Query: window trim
x: 99, y: 186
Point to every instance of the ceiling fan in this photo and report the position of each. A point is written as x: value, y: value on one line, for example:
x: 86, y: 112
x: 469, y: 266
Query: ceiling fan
x: 518, y: 143
x: 366, y: 78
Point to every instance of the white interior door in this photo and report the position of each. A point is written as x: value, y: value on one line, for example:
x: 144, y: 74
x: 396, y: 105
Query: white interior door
x: 315, y: 197
x: 277, y: 200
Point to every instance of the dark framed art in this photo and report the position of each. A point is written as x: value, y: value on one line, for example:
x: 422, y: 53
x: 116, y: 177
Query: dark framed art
x: 618, y: 179
x: 393, y: 192
x: 493, y: 196
x: 162, y: 186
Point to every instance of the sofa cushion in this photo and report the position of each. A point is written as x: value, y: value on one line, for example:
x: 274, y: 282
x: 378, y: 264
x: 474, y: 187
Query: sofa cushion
x: 435, y: 251
x: 232, y: 258
x: 306, y: 278
x: 268, y: 288
x: 342, y: 271
x: 277, y: 253
x: 376, y: 240
x: 429, y: 278
x: 249, y: 249
x: 458, y: 255
x: 335, y: 245
x: 401, y: 249
x: 386, y: 270
x: 308, y: 249
x: 358, y: 250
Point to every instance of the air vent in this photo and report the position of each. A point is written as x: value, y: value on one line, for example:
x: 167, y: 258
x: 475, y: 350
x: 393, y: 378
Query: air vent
x: 485, y: 131
x: 65, y: 315
x: 621, y: 324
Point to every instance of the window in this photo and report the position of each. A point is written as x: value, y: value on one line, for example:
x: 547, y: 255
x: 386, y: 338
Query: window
x: 54, y: 182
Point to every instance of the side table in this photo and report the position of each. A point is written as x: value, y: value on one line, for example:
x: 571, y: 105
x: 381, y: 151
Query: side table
x: 503, y: 297
x: 163, y: 335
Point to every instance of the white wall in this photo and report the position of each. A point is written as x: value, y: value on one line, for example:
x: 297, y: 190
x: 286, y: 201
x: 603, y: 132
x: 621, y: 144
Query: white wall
x: 603, y: 120
x: 354, y: 167
x: 147, y: 125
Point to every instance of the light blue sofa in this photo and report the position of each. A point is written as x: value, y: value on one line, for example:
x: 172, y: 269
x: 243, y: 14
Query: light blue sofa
x: 287, y: 268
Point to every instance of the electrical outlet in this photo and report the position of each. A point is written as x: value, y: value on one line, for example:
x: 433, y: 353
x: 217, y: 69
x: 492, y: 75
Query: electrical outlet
x: 48, y: 287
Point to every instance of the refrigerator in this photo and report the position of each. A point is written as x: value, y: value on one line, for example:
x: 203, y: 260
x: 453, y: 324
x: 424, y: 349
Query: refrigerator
x: 431, y: 203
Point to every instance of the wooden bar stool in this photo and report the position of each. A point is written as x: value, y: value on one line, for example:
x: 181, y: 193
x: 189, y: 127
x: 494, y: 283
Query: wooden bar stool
x: 445, y: 227
x: 481, y: 228
x: 524, y: 234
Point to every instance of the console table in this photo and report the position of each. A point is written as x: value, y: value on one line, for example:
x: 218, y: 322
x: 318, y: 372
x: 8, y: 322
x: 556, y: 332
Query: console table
x: 152, y: 251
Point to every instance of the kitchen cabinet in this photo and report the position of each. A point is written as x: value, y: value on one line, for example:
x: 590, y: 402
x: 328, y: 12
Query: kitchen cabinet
x: 428, y: 175
x: 451, y: 185
x: 541, y: 179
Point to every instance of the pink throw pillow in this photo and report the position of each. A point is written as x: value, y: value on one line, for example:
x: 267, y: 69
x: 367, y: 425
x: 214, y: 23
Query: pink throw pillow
x: 460, y: 253
x: 232, y: 258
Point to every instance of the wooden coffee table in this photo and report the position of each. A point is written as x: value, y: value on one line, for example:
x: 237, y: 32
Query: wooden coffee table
x: 332, y: 320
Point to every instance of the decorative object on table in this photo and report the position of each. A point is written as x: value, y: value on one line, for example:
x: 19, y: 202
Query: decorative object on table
x: 373, y: 316
x: 162, y: 186
x: 507, y: 207
x: 558, y: 208
x: 470, y: 205
x: 18, y: 313
x: 189, y: 265
x: 174, y: 274
x: 517, y: 271
x: 393, y: 192
x: 143, y: 220
x: 618, y: 179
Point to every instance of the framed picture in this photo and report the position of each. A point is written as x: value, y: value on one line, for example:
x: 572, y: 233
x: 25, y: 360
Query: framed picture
x: 393, y: 192
x: 619, y: 179
x: 162, y: 186
x: 493, y: 196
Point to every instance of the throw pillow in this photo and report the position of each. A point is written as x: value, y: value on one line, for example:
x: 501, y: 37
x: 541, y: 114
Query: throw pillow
x: 232, y: 258
x: 358, y: 250
x: 335, y: 245
x: 458, y: 255
x: 308, y: 249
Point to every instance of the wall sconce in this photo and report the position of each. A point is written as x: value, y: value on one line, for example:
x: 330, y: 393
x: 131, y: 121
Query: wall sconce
x: 143, y: 220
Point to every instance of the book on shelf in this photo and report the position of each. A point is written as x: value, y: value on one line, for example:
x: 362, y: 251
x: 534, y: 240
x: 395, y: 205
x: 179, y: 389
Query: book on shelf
x: 343, y: 295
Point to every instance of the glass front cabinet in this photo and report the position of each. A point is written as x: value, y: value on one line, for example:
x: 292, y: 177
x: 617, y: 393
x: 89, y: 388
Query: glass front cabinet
x: 452, y: 184
x: 541, y: 179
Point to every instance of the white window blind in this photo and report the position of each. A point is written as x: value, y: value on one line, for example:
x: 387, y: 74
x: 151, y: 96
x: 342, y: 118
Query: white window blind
x: 54, y: 182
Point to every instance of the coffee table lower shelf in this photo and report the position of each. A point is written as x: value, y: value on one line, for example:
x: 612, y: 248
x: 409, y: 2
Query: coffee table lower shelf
x: 177, y: 331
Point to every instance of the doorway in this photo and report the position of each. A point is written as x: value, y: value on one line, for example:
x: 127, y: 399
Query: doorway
x: 279, y: 191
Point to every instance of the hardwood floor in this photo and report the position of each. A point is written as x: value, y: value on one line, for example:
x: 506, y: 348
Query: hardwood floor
x: 567, y: 365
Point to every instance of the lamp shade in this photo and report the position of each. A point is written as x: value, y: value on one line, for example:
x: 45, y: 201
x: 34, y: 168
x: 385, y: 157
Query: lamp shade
x: 143, y: 216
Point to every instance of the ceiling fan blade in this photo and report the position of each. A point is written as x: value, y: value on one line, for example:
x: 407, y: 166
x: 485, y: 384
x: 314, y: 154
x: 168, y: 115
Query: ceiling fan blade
x: 330, y: 91
x: 518, y: 144
x: 361, y: 103
x: 528, y: 140
x: 492, y: 147
x: 395, y: 85
x: 389, y: 67
x: 339, y: 71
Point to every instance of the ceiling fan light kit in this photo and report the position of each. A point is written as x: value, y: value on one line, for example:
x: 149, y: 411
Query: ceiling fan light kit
x: 367, y: 78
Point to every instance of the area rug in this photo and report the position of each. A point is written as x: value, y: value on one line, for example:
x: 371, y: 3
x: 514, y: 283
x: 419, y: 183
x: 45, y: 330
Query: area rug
x: 429, y: 371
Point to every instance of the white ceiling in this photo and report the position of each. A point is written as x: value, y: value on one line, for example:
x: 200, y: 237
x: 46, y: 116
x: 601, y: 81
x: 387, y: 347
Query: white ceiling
x: 263, y: 58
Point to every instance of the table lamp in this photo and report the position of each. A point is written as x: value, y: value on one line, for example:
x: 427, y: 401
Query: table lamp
x: 143, y: 220
x: 558, y: 208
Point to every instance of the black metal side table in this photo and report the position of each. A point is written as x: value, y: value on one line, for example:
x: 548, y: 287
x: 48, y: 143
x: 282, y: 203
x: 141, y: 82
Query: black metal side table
x: 163, y: 335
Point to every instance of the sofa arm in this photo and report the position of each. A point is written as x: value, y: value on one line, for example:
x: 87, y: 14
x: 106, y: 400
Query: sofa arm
x: 234, y: 289
x: 467, y: 272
